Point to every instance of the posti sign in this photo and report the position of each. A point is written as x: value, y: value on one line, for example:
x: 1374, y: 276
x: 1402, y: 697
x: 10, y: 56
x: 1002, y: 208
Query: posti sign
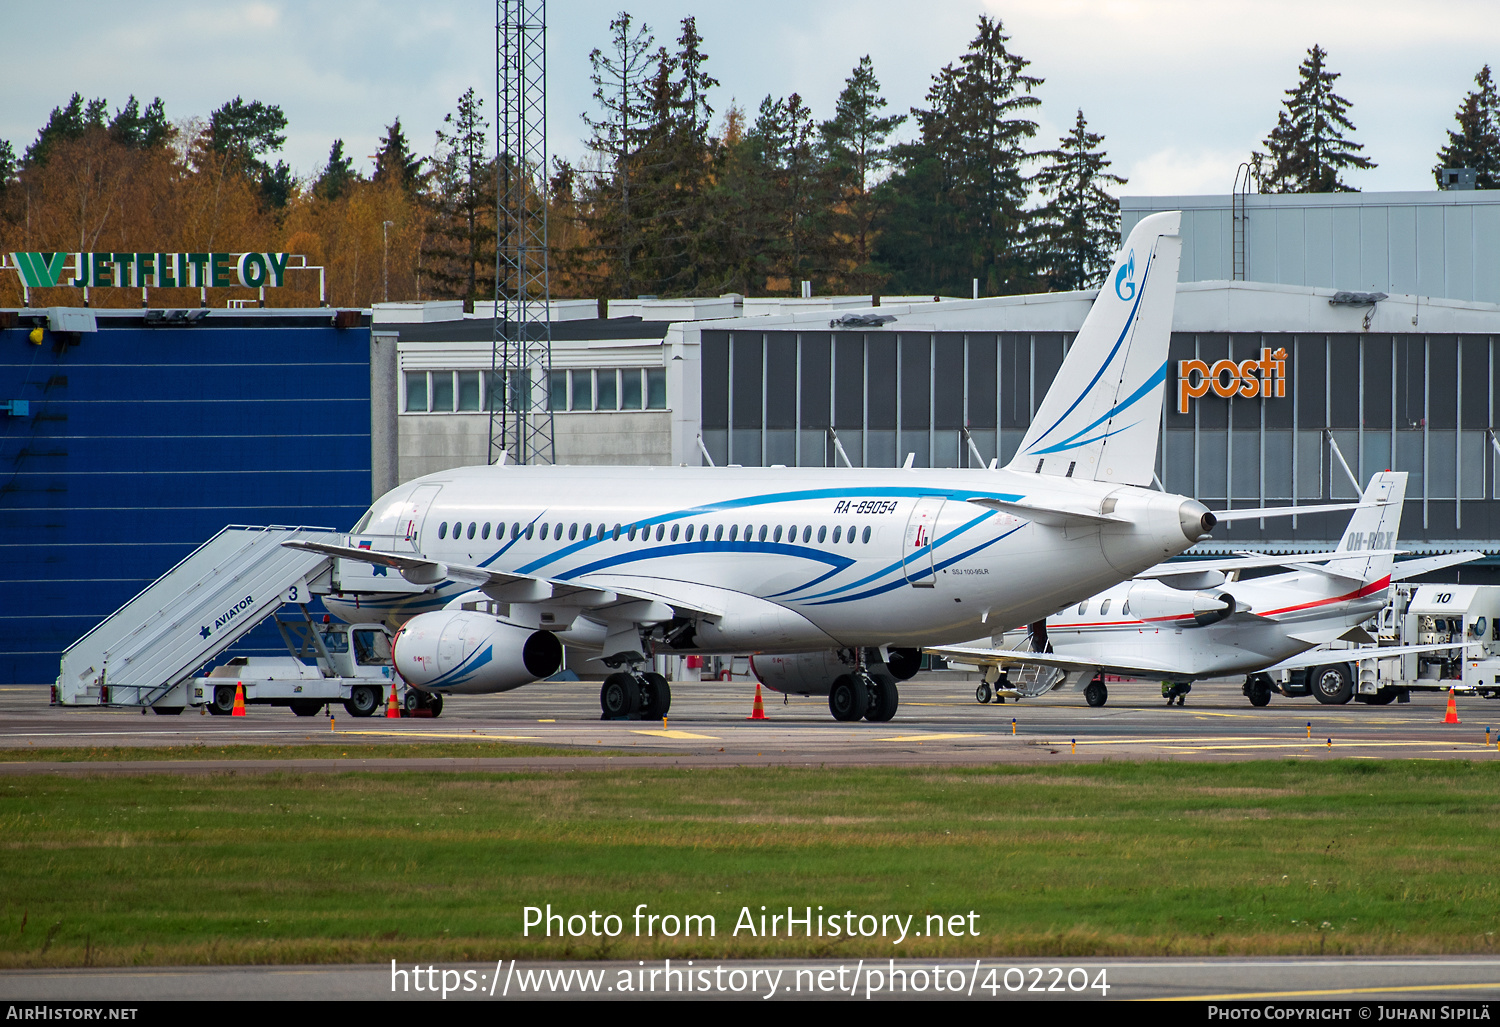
x: 1261, y: 377
x: 153, y: 270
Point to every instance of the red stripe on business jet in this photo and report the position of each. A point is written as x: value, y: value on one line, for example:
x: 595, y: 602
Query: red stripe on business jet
x: 1360, y: 593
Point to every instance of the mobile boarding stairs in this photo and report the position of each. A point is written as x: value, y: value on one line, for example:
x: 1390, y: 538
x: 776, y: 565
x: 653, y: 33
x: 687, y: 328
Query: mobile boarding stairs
x: 147, y: 652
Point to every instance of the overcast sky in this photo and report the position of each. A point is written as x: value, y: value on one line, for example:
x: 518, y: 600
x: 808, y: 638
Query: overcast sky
x: 1181, y: 89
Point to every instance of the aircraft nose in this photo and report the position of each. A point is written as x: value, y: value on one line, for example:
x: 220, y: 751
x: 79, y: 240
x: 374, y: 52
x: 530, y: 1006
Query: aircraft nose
x: 1196, y: 519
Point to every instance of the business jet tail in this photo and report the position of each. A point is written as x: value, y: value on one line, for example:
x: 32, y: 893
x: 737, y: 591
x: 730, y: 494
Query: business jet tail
x: 1101, y: 418
x: 1370, y: 539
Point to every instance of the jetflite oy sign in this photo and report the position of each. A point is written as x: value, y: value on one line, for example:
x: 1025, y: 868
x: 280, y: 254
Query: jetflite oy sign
x: 153, y: 270
x: 1263, y: 378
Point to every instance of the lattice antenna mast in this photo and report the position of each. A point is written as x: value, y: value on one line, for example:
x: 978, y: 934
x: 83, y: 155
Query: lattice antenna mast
x: 521, y: 362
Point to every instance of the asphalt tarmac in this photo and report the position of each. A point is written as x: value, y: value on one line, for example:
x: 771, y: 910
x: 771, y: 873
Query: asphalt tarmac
x: 938, y: 723
x: 1362, y: 986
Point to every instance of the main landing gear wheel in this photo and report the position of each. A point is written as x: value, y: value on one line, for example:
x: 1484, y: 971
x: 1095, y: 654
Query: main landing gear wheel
x: 1331, y: 685
x: 848, y: 698
x: 619, y: 696
x: 884, y: 699
x: 1096, y: 694
x: 411, y: 702
x: 656, y: 696
x: 435, y: 703
x: 1258, y: 690
x: 167, y: 711
x: 982, y: 693
x: 363, y: 701
x: 306, y: 707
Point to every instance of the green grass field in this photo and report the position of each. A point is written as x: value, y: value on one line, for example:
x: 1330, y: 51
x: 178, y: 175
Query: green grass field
x: 1113, y: 859
x: 363, y: 751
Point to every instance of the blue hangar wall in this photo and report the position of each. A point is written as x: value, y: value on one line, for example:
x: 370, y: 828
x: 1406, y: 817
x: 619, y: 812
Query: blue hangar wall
x: 141, y: 442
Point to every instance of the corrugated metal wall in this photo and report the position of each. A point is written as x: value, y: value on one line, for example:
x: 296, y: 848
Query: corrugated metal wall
x: 141, y: 443
x: 1440, y: 244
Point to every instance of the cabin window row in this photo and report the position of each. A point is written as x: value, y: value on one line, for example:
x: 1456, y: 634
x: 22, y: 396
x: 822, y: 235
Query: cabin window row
x: 663, y: 533
x: 1083, y: 608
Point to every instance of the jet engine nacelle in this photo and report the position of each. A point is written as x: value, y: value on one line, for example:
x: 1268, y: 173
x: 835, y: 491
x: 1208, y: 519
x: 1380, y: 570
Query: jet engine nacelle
x: 1167, y: 606
x: 799, y: 673
x: 467, y: 652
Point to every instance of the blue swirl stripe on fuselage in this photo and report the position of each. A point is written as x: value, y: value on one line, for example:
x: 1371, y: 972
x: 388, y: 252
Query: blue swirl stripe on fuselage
x: 1129, y: 322
x: 925, y: 571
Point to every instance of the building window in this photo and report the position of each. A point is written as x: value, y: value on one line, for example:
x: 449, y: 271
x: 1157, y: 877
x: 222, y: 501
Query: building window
x: 442, y: 392
x: 656, y: 388
x: 607, y: 393
x: 416, y: 392
x: 583, y: 390
x: 468, y: 391
x: 630, y: 389
x: 557, y: 395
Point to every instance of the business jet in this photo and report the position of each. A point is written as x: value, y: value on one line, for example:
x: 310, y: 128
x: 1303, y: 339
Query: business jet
x: 854, y: 568
x: 1182, y: 622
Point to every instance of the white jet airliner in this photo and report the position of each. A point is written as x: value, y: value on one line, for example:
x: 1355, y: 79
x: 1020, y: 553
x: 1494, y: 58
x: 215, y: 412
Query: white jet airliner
x: 510, y: 563
x: 1183, y: 622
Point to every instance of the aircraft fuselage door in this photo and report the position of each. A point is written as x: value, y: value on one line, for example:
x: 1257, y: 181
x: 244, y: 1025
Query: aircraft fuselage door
x: 414, y: 512
x: 916, y: 547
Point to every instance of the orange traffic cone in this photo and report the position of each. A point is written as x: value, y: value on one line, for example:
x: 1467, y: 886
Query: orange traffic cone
x: 239, y: 699
x: 392, y: 708
x: 759, y: 713
x: 1452, y: 716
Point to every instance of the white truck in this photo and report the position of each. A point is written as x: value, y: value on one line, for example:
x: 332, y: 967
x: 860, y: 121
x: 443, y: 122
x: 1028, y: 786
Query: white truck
x: 329, y: 663
x: 1465, y: 616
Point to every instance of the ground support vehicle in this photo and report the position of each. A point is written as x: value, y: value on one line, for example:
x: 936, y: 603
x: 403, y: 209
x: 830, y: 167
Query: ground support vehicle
x: 350, y: 664
x: 1465, y: 616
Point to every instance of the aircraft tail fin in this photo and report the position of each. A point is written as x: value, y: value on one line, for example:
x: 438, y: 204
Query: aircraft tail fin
x: 1373, y: 528
x: 1101, y: 419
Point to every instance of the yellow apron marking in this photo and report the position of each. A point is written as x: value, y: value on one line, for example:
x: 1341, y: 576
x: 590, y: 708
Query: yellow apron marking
x: 925, y: 738
x: 434, y: 734
x: 677, y: 734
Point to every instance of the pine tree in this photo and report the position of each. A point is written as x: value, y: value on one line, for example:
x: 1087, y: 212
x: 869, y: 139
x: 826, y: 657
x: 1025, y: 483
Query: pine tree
x: 673, y: 169
x: 1308, y: 148
x: 621, y: 79
x: 1476, y: 144
x: 142, y: 131
x: 962, y: 189
x: 1076, y: 231
x: 463, y: 235
x: 853, y: 144
x: 71, y: 121
x: 244, y: 134
x: 338, y: 174
x: 395, y: 160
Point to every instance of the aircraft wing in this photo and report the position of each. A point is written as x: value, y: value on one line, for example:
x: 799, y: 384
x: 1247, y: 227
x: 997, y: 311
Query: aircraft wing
x: 978, y: 657
x: 498, y: 585
x: 1427, y: 564
x: 1319, y: 657
x: 1251, y: 561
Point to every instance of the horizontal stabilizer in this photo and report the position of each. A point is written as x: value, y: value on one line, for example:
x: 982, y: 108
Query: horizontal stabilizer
x: 1407, y: 569
x: 1055, y: 514
x: 1242, y: 563
x: 1288, y: 511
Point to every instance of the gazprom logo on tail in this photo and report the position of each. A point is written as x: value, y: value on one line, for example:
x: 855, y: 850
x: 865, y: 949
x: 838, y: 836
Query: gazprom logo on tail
x: 1125, y: 279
